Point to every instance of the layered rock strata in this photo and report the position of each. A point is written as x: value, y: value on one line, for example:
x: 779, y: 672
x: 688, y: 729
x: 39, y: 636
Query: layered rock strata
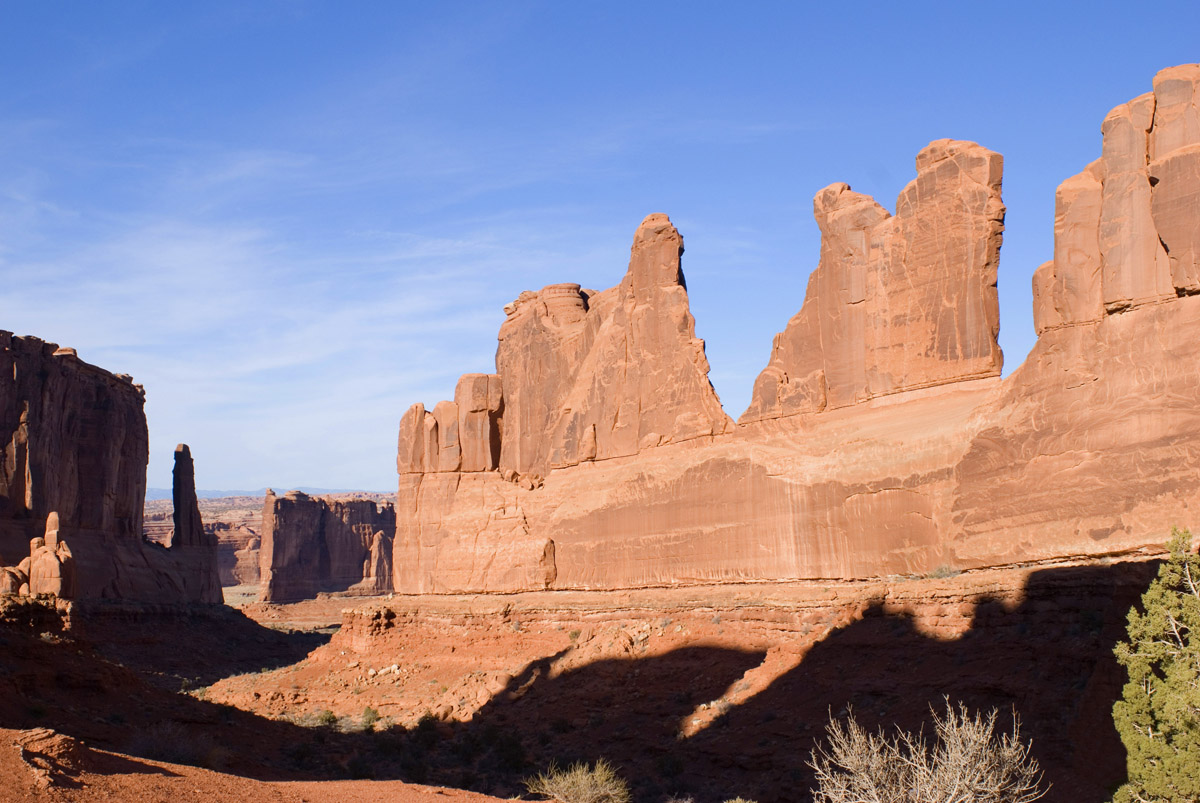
x: 313, y: 544
x: 582, y: 377
x: 880, y: 439
x: 234, y: 521
x: 1094, y: 442
x: 239, y: 558
x: 74, y: 442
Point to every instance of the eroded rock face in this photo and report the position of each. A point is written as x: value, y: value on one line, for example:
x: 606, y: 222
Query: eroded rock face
x: 315, y: 544
x: 881, y: 439
x: 234, y: 521
x: 193, y: 544
x: 1126, y: 229
x: 581, y: 376
x: 643, y: 379
x: 897, y: 302
x: 74, y: 443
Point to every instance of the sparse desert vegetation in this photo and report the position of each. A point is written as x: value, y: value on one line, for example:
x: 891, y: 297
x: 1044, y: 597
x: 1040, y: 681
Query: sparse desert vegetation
x: 580, y: 783
x: 967, y: 761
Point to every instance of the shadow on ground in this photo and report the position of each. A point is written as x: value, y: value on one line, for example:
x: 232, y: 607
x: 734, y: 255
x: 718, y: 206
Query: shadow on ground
x: 189, y: 646
x: 1049, y: 659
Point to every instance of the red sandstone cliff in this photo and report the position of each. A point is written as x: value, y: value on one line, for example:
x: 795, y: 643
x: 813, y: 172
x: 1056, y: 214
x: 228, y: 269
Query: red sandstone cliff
x: 1093, y: 444
x: 234, y: 521
x: 896, y: 303
x: 880, y: 438
x: 75, y: 442
x: 315, y: 544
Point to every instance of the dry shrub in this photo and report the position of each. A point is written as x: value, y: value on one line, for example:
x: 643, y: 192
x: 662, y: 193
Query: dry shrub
x: 580, y: 784
x: 968, y: 763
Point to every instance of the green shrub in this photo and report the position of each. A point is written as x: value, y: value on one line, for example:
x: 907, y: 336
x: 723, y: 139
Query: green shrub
x: 369, y: 717
x: 326, y: 718
x: 1158, y: 715
x: 580, y: 784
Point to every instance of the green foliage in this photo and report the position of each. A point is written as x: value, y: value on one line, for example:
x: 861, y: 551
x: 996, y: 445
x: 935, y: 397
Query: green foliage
x: 1158, y: 715
x: 580, y: 784
x: 326, y: 718
x: 369, y: 717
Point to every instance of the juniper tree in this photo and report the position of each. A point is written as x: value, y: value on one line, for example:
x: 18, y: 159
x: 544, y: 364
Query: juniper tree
x: 1158, y: 715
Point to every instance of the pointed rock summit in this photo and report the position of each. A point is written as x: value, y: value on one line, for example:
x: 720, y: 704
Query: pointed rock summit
x: 189, y: 537
x: 580, y: 376
x: 897, y: 302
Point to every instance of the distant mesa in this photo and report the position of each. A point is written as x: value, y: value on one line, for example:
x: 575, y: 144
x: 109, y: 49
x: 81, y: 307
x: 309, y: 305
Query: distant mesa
x: 313, y: 544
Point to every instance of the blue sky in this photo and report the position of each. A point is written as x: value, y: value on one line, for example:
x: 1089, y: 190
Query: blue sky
x: 292, y: 220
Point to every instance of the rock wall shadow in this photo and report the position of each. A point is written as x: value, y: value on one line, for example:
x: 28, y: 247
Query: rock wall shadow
x: 626, y: 710
x: 190, y: 645
x: 1048, y: 659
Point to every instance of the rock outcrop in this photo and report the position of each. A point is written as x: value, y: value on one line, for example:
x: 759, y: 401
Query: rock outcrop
x: 234, y: 521
x: 75, y: 444
x: 315, y: 544
x: 1094, y: 443
x: 49, y: 568
x: 897, y: 302
x: 196, y: 546
x: 243, y: 569
x: 881, y: 439
x: 581, y: 376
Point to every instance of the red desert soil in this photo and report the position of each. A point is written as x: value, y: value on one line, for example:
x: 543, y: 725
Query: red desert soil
x: 709, y: 692
x: 717, y: 691
x: 41, y: 766
x: 86, y: 708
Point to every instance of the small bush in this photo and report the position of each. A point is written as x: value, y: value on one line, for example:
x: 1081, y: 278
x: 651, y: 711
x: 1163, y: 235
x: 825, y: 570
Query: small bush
x: 943, y: 572
x: 968, y: 763
x: 369, y: 717
x: 580, y: 784
x: 326, y: 718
